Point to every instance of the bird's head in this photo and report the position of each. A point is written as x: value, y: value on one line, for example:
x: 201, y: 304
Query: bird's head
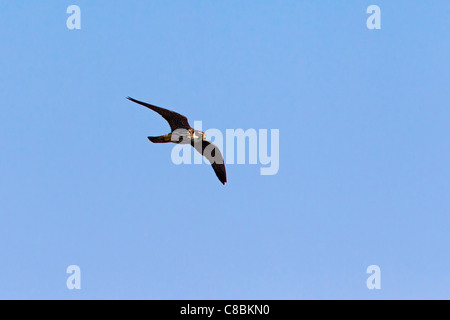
x: 199, y: 135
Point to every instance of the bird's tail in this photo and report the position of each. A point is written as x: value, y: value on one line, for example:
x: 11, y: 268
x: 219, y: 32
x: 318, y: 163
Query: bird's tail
x: 161, y: 139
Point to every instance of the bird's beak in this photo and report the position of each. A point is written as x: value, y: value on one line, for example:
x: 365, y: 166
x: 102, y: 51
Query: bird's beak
x: 204, y: 135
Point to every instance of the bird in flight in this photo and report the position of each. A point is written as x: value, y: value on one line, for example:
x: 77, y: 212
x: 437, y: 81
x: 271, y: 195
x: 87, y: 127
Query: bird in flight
x: 183, y: 133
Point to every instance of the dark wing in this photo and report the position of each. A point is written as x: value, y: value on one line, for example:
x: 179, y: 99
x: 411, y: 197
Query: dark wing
x: 214, y: 156
x: 175, y: 120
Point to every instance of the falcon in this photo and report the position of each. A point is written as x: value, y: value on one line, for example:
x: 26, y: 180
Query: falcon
x: 183, y: 133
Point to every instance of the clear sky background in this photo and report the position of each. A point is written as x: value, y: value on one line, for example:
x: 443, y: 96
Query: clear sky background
x: 364, y: 173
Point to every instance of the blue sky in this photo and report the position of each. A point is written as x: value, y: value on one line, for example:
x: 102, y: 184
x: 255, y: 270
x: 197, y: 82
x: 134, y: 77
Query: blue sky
x: 364, y: 173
